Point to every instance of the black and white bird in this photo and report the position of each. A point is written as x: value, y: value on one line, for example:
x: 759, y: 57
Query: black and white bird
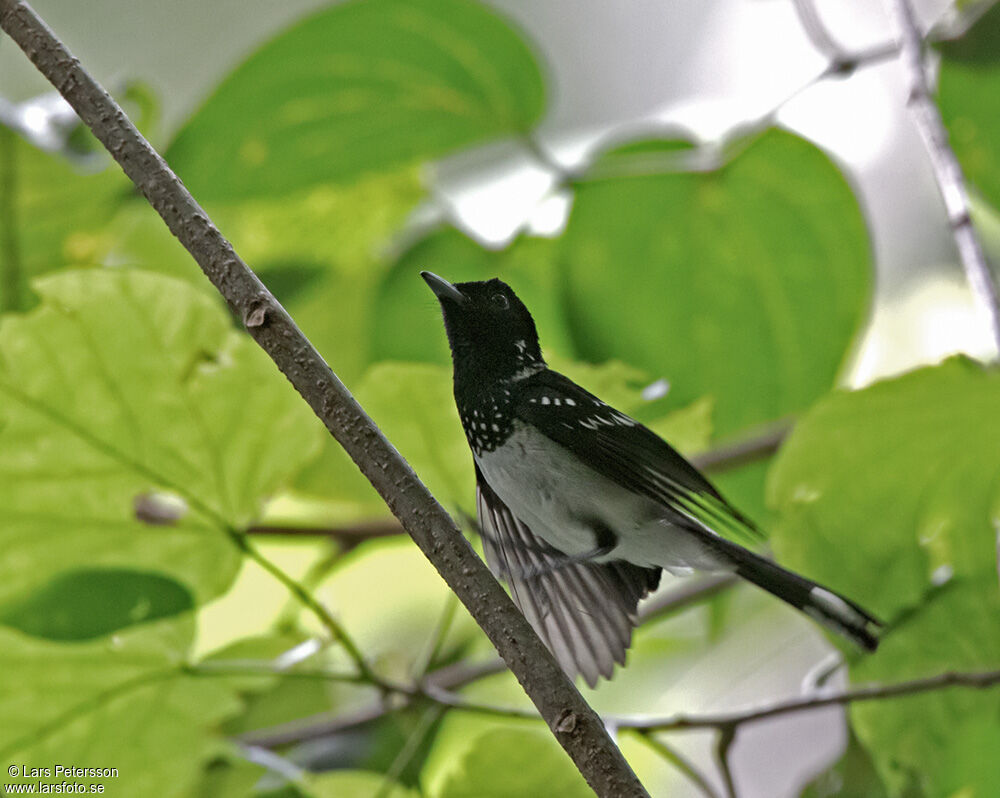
x: 580, y: 506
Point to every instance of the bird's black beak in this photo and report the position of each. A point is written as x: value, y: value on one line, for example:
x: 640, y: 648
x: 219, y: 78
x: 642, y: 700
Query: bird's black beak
x: 443, y: 289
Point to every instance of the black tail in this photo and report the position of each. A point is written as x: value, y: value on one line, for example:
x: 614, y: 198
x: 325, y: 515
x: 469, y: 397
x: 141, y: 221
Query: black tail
x: 820, y: 603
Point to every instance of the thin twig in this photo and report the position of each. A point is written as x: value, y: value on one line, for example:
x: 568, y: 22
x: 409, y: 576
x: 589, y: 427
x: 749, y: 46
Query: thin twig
x: 287, y: 620
x: 405, y: 755
x: 757, y: 446
x: 574, y: 724
x: 455, y: 676
x: 976, y: 680
x: 679, y: 761
x: 433, y: 647
x: 947, y: 172
x: 691, y: 590
x: 324, y: 725
x: 249, y: 667
x: 319, y: 726
x: 814, y: 27
x: 723, y: 745
x: 727, y: 725
x: 308, y: 600
x: 283, y: 768
x: 439, y: 689
x: 348, y: 535
x: 842, y: 62
x: 730, y: 722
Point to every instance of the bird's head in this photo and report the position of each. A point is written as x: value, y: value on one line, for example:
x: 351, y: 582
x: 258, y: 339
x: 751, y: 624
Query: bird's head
x: 491, y: 334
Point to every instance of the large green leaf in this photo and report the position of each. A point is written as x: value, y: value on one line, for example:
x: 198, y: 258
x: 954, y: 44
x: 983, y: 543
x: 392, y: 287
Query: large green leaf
x: 853, y: 776
x: 363, y: 86
x: 354, y: 784
x: 93, y: 602
x: 514, y: 762
x: 54, y: 214
x: 413, y: 405
x: 880, y: 489
x: 745, y: 284
x: 943, y: 741
x: 320, y: 250
x: 969, y: 98
x: 123, y: 704
x: 887, y: 494
x: 119, y: 387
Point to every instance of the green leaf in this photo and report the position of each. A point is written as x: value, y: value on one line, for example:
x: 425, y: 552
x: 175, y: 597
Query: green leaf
x: 395, y: 623
x: 513, y: 763
x: 320, y: 250
x: 412, y: 404
x: 228, y: 776
x: 879, y: 489
x: 969, y: 98
x: 121, y: 704
x: 853, y: 776
x: 745, y: 284
x: 270, y: 698
x: 884, y: 494
x: 92, y: 602
x: 940, y: 741
x: 414, y: 407
x: 369, y: 85
x: 252, y: 656
x: 55, y: 213
x: 136, y: 429
x: 354, y: 784
x: 120, y: 387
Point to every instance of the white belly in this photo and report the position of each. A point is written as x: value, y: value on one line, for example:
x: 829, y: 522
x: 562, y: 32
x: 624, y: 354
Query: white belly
x: 564, y: 502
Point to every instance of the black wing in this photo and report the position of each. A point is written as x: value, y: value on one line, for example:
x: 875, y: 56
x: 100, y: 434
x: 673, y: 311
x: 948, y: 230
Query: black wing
x: 632, y: 455
x: 584, y: 611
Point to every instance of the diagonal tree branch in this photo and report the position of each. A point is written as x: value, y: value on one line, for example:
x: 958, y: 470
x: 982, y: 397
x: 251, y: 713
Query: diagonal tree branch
x: 575, y: 725
x: 947, y: 172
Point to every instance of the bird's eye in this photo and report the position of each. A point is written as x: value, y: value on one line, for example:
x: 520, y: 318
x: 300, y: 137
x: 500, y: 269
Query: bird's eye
x: 500, y: 301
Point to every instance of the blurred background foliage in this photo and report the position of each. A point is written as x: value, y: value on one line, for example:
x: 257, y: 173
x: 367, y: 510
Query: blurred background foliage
x: 719, y: 288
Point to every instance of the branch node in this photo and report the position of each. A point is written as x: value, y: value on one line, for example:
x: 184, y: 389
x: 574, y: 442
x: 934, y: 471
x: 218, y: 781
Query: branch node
x: 960, y: 218
x: 566, y: 722
x: 843, y: 66
x: 256, y: 314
